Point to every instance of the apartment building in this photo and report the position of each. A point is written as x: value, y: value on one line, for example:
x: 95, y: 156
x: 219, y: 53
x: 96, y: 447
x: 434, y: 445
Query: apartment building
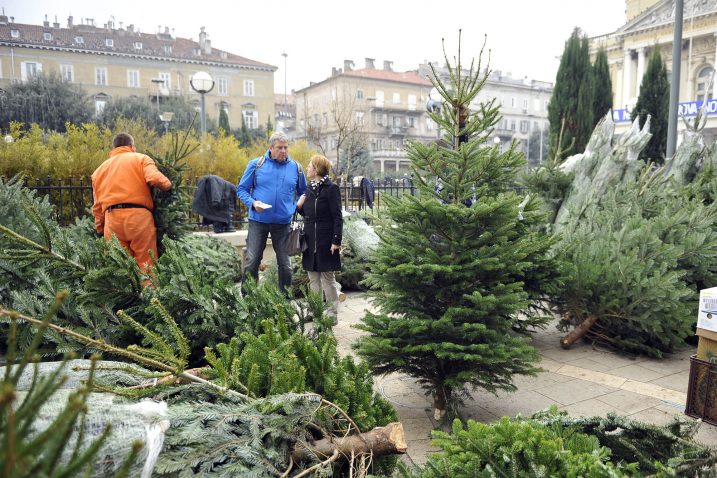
x: 369, y: 108
x: 650, y: 24
x: 120, y: 61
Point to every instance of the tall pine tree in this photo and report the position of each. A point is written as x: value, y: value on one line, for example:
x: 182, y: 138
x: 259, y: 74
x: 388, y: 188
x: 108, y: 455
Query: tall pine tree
x: 572, y: 98
x: 224, y: 120
x: 654, y: 100
x: 456, y: 264
x: 602, y: 86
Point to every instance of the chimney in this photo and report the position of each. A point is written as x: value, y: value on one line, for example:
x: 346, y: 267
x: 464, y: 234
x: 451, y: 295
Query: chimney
x: 204, y: 45
x: 130, y: 28
x: 335, y: 71
x: 369, y: 64
x: 348, y: 65
x: 387, y: 65
x: 3, y: 18
x: 46, y: 23
x: 56, y: 24
x: 69, y: 21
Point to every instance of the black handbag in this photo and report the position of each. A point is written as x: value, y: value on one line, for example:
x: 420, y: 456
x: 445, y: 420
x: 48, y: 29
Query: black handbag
x: 296, y: 243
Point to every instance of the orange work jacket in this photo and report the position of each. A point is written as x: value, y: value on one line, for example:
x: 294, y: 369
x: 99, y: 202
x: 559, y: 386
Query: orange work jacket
x: 125, y: 178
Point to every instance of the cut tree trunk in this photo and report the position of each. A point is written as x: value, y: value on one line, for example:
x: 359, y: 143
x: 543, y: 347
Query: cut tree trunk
x: 578, y: 332
x: 388, y: 440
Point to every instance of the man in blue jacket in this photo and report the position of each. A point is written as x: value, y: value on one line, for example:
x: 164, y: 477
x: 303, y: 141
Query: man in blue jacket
x: 270, y: 187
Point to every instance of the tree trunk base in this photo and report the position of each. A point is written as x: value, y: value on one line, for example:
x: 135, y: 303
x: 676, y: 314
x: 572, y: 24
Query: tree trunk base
x: 578, y: 332
x: 388, y: 440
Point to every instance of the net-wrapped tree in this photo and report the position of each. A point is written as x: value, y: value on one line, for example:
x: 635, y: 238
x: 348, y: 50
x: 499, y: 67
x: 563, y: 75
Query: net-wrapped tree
x: 458, y: 262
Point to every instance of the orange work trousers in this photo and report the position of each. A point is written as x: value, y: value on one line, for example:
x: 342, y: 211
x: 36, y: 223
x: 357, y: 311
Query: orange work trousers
x: 135, y: 230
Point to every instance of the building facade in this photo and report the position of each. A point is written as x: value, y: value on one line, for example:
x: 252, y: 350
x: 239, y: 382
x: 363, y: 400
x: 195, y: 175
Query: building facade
x: 650, y: 25
x: 372, y: 109
x: 116, y: 61
x: 523, y: 106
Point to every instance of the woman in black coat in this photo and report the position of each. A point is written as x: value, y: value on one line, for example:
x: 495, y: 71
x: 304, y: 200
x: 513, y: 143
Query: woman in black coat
x: 323, y: 224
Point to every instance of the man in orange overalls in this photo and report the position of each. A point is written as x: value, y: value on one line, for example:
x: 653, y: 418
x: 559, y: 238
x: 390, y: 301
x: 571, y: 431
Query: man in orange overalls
x: 123, y: 201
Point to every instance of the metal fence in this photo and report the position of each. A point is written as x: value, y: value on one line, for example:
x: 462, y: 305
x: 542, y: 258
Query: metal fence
x: 72, y: 197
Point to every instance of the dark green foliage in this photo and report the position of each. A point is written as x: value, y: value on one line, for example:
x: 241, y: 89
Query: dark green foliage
x: 171, y: 208
x: 550, y: 184
x: 224, y: 120
x: 450, y: 280
x: 46, y: 100
x: 25, y: 450
x: 142, y: 109
x: 602, y: 86
x: 572, y: 97
x: 654, y: 100
x: 554, y: 444
x: 244, y: 136
x: 228, y: 439
x: 361, y: 163
x: 636, y: 258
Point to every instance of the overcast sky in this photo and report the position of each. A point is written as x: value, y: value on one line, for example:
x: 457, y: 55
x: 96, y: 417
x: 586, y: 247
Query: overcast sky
x: 525, y: 36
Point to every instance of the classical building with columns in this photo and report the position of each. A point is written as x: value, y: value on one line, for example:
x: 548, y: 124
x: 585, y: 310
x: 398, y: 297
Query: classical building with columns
x: 649, y: 25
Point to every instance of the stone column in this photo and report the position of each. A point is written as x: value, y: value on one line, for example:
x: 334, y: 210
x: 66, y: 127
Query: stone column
x: 714, y: 66
x: 626, y: 78
x: 640, y: 69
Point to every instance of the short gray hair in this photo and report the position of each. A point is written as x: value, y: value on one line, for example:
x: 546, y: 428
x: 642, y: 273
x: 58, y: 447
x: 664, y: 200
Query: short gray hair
x: 276, y: 137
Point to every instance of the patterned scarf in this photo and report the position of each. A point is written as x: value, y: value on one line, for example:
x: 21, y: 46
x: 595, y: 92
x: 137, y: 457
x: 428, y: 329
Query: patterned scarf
x: 316, y: 183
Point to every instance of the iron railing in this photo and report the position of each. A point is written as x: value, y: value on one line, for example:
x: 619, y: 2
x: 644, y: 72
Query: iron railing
x: 72, y: 197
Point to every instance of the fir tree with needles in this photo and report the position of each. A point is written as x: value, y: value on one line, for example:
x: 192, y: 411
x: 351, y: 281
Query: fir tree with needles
x: 458, y: 263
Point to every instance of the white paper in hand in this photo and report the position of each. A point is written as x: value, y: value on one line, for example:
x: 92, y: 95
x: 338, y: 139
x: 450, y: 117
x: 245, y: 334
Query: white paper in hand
x: 262, y: 204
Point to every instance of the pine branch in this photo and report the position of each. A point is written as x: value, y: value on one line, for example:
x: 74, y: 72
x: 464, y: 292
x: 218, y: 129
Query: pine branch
x: 44, y: 251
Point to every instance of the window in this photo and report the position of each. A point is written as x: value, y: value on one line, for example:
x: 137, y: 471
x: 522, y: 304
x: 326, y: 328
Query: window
x: 223, y: 55
x: 379, y: 98
x: 325, y: 119
x: 138, y: 45
x: 396, y: 121
x: 545, y: 104
x: 29, y: 70
x: 411, y: 102
x: 222, y: 86
x: 512, y: 102
x: 196, y: 52
x: 66, y: 73
x: 109, y: 42
x: 380, y: 119
x: 411, y: 122
x: 359, y: 94
x: 429, y: 124
x: 251, y: 119
x: 133, y: 78
x: 703, y: 80
x: 15, y: 33
x: 101, y: 76
x: 396, y: 98
x: 47, y: 36
x: 248, y: 87
x: 359, y: 118
x: 512, y: 125
x: 167, y: 84
x: 100, y: 106
x: 524, y: 126
x: 525, y: 104
x: 79, y: 40
x: 168, y: 49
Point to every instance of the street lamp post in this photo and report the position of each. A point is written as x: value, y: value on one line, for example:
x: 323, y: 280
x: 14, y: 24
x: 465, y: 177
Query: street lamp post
x: 202, y: 83
x: 158, y: 81
x: 166, y: 117
x: 285, y: 100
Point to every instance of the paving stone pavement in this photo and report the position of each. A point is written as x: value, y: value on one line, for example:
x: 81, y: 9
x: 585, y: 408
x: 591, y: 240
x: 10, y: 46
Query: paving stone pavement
x: 584, y: 381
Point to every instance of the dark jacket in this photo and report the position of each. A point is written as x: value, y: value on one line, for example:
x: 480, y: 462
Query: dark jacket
x: 323, y: 226
x: 214, y: 199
